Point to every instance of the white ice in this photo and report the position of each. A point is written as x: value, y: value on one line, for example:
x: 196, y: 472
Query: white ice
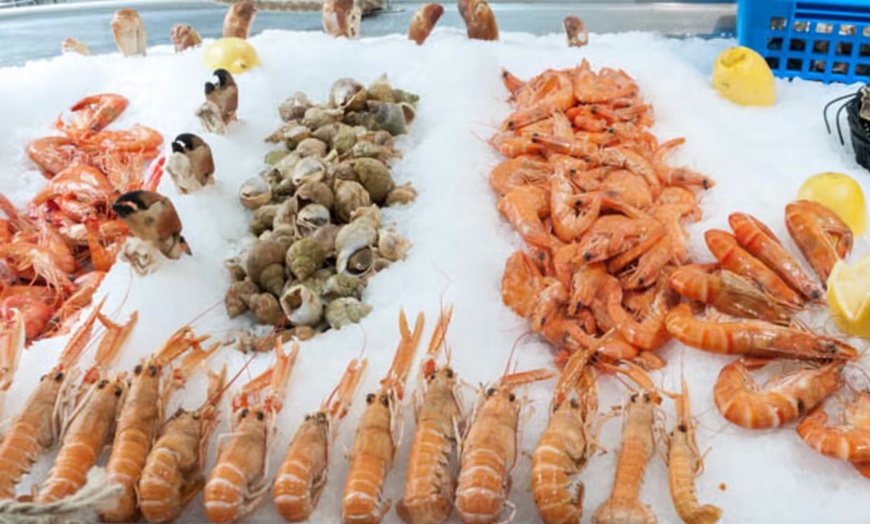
x: 757, y: 156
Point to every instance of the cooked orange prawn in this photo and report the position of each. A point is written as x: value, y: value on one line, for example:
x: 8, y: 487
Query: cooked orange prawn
x: 612, y: 235
x: 606, y: 85
x: 489, y: 451
x: 552, y: 91
x: 238, y: 481
x: 376, y: 439
x: 519, y: 171
x: 847, y: 438
x: 142, y: 414
x: 638, y: 445
x: 678, y: 176
x: 303, y: 473
x: 11, y: 345
x: 53, y: 154
x: 92, y: 421
x: 525, y: 208
x: 753, y: 338
x: 649, y: 334
x: 684, y: 464
x: 566, y: 444
x: 572, y: 213
x: 430, y: 482
x: 93, y: 113
x: 172, y: 475
x: 763, y: 244
x: 37, y: 426
x: 729, y: 292
x: 820, y: 234
x: 783, y: 399
x: 732, y: 257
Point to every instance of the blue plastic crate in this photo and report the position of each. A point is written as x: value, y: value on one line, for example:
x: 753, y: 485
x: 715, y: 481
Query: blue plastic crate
x: 823, y: 40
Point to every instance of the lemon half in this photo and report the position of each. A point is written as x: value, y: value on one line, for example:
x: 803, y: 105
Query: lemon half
x: 840, y: 193
x: 849, y: 297
x: 742, y: 76
x: 236, y: 55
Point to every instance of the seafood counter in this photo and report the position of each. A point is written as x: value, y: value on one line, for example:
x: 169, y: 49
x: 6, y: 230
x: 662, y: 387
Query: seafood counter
x: 213, y: 317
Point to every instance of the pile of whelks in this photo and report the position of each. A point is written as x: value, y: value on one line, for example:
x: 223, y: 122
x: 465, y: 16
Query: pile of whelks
x: 55, y: 253
x: 586, y: 186
x: 340, y: 18
x: 316, y: 210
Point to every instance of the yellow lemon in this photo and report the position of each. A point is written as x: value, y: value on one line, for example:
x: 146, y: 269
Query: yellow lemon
x: 849, y: 297
x: 742, y: 76
x: 236, y: 55
x: 842, y: 194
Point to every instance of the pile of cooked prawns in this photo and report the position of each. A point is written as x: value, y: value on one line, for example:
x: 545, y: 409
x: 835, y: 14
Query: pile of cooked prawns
x: 55, y: 253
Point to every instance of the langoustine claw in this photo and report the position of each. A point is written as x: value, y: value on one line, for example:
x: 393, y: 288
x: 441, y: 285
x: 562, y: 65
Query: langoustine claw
x: 424, y: 21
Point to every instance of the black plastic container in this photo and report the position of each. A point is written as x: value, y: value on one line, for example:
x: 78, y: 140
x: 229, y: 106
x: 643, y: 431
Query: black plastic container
x: 860, y: 131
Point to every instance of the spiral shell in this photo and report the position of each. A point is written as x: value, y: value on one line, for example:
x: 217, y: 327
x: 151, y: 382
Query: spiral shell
x: 255, y: 192
x: 393, y: 118
x: 286, y: 215
x: 347, y: 94
x: 325, y: 236
x: 302, y: 306
x: 311, y: 147
x: 304, y: 257
x: 349, y: 196
x: 317, y: 192
x: 273, y: 157
x: 403, y: 194
x: 234, y: 266
x: 343, y: 286
x: 295, y: 135
x: 344, y: 139
x: 381, y: 90
x: 320, y: 116
x: 374, y: 176
x: 360, y: 234
x: 391, y: 246
x: 311, y: 218
x: 309, y: 169
x: 236, y: 299
x: 272, y: 279
x: 326, y: 132
x: 344, y: 311
x: 361, y: 261
x: 263, y: 254
x: 262, y: 219
x: 294, y: 107
x: 266, y: 309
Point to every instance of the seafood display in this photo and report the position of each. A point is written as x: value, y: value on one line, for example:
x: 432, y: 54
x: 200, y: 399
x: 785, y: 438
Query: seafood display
x: 60, y: 247
x: 316, y: 210
x: 577, y: 241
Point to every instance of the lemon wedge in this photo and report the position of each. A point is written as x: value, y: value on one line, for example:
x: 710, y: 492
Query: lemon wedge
x: 849, y: 297
x: 236, y: 55
x: 742, y: 76
x: 842, y: 194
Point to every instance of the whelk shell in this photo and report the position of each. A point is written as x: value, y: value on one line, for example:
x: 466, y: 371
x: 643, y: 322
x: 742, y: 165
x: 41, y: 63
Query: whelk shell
x: 344, y: 311
x: 302, y: 306
x: 254, y: 193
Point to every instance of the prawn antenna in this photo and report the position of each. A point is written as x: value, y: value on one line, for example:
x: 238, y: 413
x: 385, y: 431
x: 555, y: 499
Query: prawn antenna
x: 218, y: 394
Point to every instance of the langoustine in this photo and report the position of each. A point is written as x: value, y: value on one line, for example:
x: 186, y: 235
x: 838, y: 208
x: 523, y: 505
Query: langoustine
x: 489, y: 450
x: 431, y: 480
x: 377, y: 434
x: 303, y: 473
x: 238, y: 481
